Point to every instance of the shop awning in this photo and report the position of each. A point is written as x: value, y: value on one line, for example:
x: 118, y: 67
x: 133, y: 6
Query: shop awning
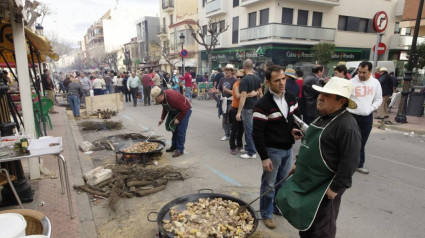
x: 7, y: 48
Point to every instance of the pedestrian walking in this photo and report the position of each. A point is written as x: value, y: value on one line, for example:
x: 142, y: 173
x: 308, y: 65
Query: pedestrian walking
x: 74, y: 93
x: 367, y: 94
x: 176, y: 111
x: 119, y: 88
x: 98, y: 85
x: 86, y: 86
x: 387, y: 87
x: 188, y: 86
x: 310, y: 95
x: 341, y: 71
x: 246, y: 105
x: 291, y: 84
x: 127, y: 92
x: 146, y: 83
x: 328, y: 157
x: 133, y: 84
x: 224, y: 87
x: 272, y: 133
x: 108, y: 83
x: 48, y: 88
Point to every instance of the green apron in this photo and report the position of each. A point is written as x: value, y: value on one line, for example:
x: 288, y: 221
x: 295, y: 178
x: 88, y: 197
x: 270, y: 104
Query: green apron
x: 171, y: 116
x: 300, y: 197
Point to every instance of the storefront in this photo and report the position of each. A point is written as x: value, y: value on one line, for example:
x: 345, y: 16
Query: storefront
x: 280, y: 54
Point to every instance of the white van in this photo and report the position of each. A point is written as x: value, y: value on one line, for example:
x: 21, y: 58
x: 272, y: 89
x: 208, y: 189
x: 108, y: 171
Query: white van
x: 353, y: 65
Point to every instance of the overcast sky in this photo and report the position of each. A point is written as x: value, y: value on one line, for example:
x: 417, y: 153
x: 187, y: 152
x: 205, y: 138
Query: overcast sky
x: 72, y: 18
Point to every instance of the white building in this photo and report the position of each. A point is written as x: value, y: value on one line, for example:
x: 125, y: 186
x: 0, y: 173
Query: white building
x: 285, y: 30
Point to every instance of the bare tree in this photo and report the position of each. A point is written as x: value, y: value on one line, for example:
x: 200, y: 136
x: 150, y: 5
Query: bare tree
x: 112, y: 60
x: 201, y: 37
x: 33, y: 10
x: 165, y: 53
x: 155, y: 52
x: 60, y: 45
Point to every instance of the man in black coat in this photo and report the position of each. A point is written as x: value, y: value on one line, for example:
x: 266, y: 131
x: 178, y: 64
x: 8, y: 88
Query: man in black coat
x: 387, y: 90
x: 309, y: 95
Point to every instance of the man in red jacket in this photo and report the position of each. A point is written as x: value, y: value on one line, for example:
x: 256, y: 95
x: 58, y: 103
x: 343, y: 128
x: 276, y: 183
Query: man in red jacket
x: 177, y: 109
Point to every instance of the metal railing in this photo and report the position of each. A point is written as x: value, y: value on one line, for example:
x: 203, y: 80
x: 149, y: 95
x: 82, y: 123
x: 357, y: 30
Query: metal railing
x: 213, y: 6
x: 278, y: 30
x: 167, y: 4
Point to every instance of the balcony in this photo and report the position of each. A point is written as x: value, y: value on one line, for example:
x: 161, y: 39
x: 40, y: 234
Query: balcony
x: 403, y: 42
x: 215, y: 8
x: 162, y: 31
x: 168, y: 5
x: 320, y: 2
x: 245, y: 3
x: 277, y: 30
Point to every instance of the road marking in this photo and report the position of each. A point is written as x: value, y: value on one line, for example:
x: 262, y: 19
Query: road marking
x: 147, y: 129
x: 223, y: 176
x: 127, y: 117
x: 397, y: 162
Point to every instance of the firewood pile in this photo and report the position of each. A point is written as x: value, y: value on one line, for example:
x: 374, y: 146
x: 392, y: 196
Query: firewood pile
x: 103, y: 125
x: 114, y: 182
x: 104, y: 114
x: 114, y: 141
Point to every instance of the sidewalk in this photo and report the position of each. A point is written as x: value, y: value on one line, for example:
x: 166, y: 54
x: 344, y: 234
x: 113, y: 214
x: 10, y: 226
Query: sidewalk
x: 414, y: 124
x: 48, y: 198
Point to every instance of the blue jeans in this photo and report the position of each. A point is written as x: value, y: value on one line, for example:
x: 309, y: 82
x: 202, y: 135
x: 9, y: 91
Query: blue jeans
x: 282, y: 162
x: 188, y: 93
x: 365, y: 126
x: 98, y: 91
x: 179, y: 135
x: 247, y: 126
x: 108, y: 89
x: 74, y: 102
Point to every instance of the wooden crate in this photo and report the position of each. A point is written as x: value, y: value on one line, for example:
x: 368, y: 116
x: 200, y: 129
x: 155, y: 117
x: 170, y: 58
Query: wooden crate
x: 113, y: 102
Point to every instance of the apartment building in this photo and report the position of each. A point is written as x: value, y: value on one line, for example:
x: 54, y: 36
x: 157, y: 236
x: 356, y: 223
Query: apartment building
x: 147, y: 32
x: 175, y: 15
x: 94, y: 41
x: 285, y: 30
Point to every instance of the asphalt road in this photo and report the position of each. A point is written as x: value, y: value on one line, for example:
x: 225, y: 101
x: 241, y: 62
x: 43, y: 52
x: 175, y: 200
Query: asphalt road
x: 389, y: 202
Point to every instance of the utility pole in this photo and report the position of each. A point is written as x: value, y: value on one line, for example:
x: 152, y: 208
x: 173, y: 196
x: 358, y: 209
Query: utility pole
x: 402, y: 108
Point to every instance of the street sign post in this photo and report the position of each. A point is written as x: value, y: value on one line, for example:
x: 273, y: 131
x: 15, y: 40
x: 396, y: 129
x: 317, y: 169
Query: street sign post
x: 380, y: 23
x: 184, y: 53
x: 381, y: 48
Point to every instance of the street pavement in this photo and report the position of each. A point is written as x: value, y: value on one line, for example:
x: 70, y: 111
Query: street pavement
x: 386, y: 203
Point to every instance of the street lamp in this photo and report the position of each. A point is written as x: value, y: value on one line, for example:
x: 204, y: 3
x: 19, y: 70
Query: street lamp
x: 182, y: 43
x: 39, y: 29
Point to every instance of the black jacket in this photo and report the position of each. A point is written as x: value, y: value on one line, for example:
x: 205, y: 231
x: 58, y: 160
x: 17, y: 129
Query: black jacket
x: 270, y: 127
x: 386, y: 84
x: 310, y: 96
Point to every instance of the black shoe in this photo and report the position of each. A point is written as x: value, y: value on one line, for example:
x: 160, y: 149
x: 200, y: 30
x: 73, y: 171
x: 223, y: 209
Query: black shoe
x: 379, y: 118
x: 386, y: 116
x: 171, y: 149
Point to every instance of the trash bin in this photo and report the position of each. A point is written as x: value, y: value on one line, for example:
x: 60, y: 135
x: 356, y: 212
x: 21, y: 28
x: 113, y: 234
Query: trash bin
x: 415, y: 105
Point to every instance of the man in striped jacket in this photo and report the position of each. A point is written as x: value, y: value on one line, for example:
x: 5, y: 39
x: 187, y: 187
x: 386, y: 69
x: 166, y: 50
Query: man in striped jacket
x: 274, y: 134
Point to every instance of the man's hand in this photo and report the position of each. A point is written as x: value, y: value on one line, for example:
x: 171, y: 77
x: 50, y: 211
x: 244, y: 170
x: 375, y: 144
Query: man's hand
x: 292, y: 169
x: 297, y: 134
x: 267, y: 165
x: 331, y: 194
x: 176, y: 122
x: 160, y: 122
x: 238, y: 116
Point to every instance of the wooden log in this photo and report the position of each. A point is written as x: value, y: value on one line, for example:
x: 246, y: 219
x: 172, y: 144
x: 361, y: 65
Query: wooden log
x: 128, y: 195
x: 132, y: 189
x: 142, y: 193
x: 95, y: 188
x: 91, y: 191
x: 138, y: 183
x: 159, y: 182
x: 106, y: 182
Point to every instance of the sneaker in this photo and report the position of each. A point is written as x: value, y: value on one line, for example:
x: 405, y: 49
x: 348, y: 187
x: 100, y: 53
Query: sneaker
x: 362, y: 170
x: 247, y: 156
x: 269, y: 223
x: 233, y: 152
x: 242, y: 150
x: 225, y: 138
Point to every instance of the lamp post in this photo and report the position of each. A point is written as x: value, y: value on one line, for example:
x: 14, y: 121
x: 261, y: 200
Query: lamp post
x: 402, y: 108
x: 39, y: 29
x: 182, y: 43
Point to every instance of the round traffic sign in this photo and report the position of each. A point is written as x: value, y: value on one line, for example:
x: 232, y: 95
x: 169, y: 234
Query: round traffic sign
x: 380, y: 21
x: 184, y: 53
x: 381, y: 48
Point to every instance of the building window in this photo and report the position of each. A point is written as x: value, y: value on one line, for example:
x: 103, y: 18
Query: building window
x: 204, y: 30
x: 317, y: 19
x: 264, y: 17
x: 222, y: 25
x: 342, y: 23
x: 214, y: 27
x: 204, y: 2
x: 252, y: 19
x: 235, y: 30
x: 235, y: 3
x: 363, y: 24
x: 302, y: 17
x: 171, y: 19
x: 397, y: 28
x: 408, y: 31
x: 287, y: 15
x: 356, y: 24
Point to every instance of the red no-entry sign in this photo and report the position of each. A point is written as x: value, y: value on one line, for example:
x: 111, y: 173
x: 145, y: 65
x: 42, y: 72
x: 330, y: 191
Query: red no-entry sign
x: 381, y: 48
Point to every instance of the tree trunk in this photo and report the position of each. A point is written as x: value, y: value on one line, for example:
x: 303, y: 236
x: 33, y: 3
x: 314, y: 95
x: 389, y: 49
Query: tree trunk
x: 209, y: 65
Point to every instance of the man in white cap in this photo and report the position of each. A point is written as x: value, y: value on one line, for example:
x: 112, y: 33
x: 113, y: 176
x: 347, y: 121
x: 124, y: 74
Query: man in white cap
x: 225, y: 86
x: 177, y: 109
x: 328, y: 157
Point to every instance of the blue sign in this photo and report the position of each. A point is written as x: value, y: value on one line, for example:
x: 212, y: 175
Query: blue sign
x: 184, y: 53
